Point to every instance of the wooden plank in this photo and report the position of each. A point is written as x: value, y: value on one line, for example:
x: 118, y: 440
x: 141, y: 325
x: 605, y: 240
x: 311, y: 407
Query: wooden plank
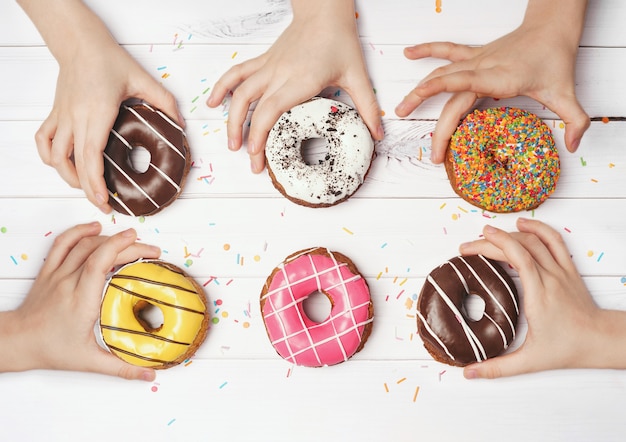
x: 599, y: 79
x: 237, y: 330
x: 195, y: 22
x: 401, y: 167
x: 407, y: 237
x: 264, y: 400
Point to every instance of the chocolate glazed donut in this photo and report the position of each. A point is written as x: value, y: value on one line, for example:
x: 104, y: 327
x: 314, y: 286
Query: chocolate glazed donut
x: 447, y: 331
x: 145, y: 193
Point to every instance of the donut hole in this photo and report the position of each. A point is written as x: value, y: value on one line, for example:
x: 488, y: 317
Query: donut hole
x: 314, y: 151
x: 139, y: 159
x: 474, y: 307
x: 149, y: 316
x: 317, y: 307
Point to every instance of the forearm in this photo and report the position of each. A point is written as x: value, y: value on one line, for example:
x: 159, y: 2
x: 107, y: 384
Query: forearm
x: 342, y: 10
x: 13, y: 344
x: 607, y: 341
x: 66, y: 25
x: 567, y: 17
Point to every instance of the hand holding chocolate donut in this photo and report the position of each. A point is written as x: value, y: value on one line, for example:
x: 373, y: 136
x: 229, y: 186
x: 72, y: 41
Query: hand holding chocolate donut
x: 566, y: 329
x: 89, y: 92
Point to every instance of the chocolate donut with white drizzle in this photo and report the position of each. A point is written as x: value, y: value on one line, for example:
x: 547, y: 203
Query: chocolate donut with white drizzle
x: 448, y: 332
x: 145, y: 193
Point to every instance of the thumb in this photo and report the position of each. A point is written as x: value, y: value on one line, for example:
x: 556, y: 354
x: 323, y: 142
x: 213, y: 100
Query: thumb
x: 367, y: 106
x: 576, y: 121
x: 106, y: 363
x: 502, y: 366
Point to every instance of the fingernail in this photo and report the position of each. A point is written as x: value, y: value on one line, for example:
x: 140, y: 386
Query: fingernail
x: 231, y: 144
x: 99, y: 199
x: 463, y: 246
x: 181, y: 119
x: 470, y: 374
x: 156, y: 250
x: 251, y: 147
x: 522, y: 220
x: 380, y: 133
x: 401, y: 108
x: 147, y: 376
x: 575, y: 144
x: 128, y: 233
x: 254, y: 167
x: 490, y: 229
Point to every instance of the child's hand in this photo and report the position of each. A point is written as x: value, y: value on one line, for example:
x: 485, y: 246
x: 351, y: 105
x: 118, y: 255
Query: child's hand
x: 95, y: 76
x: 54, y: 326
x: 519, y: 63
x: 563, y: 320
x: 320, y: 48
x: 90, y: 88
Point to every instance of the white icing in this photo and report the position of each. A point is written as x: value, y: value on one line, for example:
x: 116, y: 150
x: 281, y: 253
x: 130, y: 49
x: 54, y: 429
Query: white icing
x: 350, y: 150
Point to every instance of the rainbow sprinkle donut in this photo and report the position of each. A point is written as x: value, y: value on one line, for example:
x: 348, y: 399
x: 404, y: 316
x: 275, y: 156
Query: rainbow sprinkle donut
x: 503, y: 160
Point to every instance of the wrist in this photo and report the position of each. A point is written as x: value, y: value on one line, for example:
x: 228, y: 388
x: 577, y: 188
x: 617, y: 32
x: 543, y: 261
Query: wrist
x: 607, y: 344
x: 15, y: 344
x: 565, y: 18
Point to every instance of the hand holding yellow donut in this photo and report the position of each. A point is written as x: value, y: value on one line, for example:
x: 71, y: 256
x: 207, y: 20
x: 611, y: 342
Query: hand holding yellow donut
x: 54, y: 327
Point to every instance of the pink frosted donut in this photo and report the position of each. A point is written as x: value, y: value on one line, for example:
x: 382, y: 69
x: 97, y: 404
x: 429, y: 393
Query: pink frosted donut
x: 296, y: 337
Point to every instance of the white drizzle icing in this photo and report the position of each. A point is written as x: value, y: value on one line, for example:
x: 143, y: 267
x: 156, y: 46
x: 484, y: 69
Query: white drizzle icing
x: 131, y: 181
x: 156, y: 132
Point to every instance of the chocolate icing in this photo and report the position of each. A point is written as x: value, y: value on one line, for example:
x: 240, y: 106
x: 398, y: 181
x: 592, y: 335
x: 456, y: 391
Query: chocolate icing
x: 448, y: 333
x: 146, y: 193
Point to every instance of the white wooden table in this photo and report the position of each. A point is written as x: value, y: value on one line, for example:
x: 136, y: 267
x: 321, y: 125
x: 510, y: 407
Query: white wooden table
x: 230, y: 228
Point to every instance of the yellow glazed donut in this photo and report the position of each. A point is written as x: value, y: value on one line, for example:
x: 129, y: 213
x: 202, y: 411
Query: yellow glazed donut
x: 139, y: 287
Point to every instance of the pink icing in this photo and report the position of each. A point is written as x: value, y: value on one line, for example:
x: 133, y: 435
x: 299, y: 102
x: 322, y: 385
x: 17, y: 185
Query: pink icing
x: 297, y: 338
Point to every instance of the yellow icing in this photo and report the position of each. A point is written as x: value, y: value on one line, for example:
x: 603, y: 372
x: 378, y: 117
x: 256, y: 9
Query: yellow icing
x: 178, y: 324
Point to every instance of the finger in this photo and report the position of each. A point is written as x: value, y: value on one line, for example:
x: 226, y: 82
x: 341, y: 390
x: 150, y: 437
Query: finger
x: 453, y: 111
x: 136, y: 251
x: 552, y: 240
x: 268, y: 111
x: 575, y: 118
x: 483, y: 82
x: 518, y: 256
x: 61, y: 157
x: 106, y: 363
x: 502, y: 366
x: 444, y: 50
x: 233, y: 77
x: 88, y: 153
x: 100, y: 260
x: 482, y: 247
x: 362, y: 94
x: 65, y: 242
x: 44, y: 137
x: 248, y: 92
x: 157, y: 95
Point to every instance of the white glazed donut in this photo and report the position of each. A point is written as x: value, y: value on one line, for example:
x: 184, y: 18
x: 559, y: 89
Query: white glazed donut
x: 340, y: 174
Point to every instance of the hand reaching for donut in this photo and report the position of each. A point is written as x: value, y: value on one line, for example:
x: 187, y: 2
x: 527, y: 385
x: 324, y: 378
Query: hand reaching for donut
x: 566, y: 329
x: 54, y: 327
x: 519, y: 63
x: 319, y: 48
x: 95, y: 76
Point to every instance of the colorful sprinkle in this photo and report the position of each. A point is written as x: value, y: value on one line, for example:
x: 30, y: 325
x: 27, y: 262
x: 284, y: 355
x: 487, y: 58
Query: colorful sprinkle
x: 417, y: 390
x: 489, y: 145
